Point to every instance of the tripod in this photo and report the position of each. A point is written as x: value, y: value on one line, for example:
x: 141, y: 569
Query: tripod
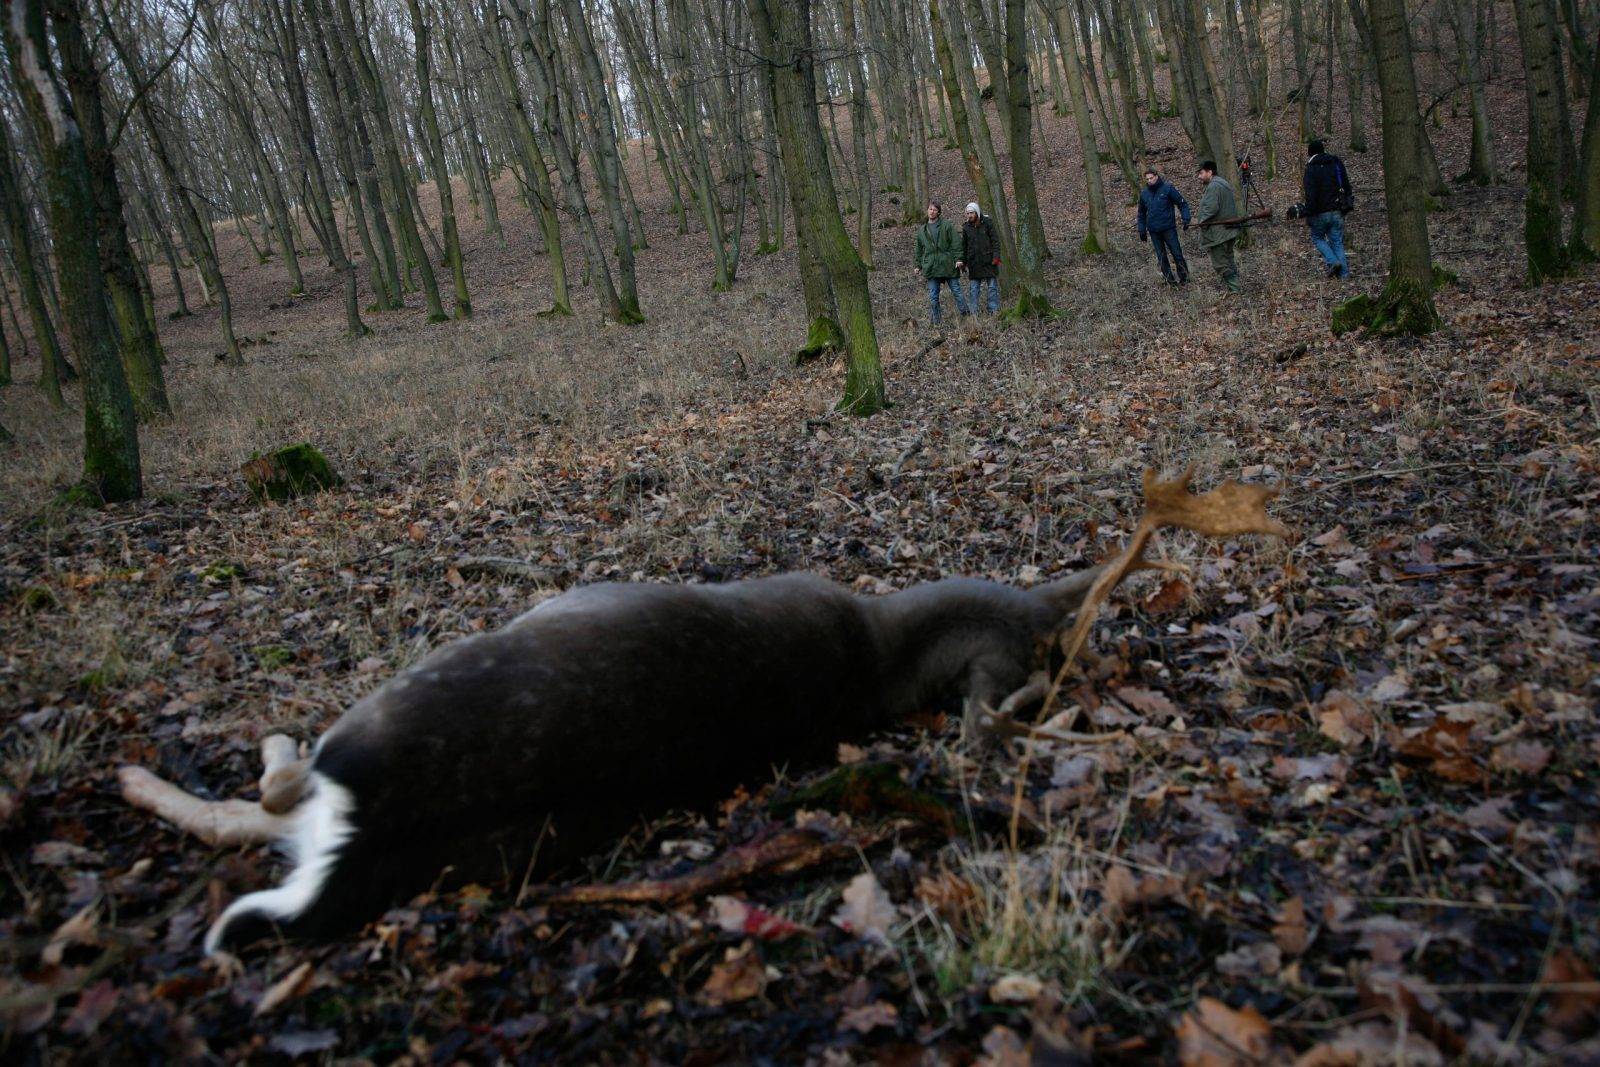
x: 1248, y: 182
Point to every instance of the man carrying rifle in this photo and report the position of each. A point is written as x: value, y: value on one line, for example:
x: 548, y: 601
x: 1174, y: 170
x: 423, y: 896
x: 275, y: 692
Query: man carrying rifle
x: 1218, y: 217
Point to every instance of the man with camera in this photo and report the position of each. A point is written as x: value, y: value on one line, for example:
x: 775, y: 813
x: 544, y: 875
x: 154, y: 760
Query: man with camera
x: 1327, y: 198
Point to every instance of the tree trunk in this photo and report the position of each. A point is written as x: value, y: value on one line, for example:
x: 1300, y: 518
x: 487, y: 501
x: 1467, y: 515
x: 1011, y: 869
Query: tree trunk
x: 1033, y: 298
x: 140, y: 349
x: 1355, y: 76
x: 858, y: 131
x: 400, y: 190
x: 1406, y: 304
x: 783, y: 39
x: 1585, y: 243
x: 22, y: 258
x: 1547, y: 252
x: 1098, y: 239
x: 603, y: 130
x: 433, y: 145
x: 110, y: 434
x: 533, y: 165
x: 999, y: 207
x: 1467, y: 23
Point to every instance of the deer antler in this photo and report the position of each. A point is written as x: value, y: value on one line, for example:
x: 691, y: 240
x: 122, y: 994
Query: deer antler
x: 224, y: 823
x: 1229, y: 509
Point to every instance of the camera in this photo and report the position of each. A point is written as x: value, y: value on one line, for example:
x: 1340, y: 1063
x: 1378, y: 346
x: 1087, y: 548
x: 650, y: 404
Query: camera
x: 1296, y: 211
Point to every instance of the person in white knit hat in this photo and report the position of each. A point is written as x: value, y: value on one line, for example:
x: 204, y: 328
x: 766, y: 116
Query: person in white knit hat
x: 980, y: 254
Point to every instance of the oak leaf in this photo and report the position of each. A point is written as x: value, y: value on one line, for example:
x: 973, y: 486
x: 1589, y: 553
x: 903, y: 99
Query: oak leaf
x: 1215, y: 1035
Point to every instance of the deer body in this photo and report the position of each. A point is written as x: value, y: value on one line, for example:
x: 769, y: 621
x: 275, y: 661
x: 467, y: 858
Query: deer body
x: 543, y: 739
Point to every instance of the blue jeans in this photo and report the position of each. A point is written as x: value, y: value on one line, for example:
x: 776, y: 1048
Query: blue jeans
x: 933, y: 296
x: 1327, y: 233
x: 975, y: 290
x: 1165, y: 241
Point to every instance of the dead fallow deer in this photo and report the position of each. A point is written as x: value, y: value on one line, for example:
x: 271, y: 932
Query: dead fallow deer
x: 542, y: 740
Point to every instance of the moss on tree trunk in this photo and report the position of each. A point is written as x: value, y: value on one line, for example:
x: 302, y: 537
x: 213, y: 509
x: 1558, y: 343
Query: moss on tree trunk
x: 823, y: 337
x: 288, y: 473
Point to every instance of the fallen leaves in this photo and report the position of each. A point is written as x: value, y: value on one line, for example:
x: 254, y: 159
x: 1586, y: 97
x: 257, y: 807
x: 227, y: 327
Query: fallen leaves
x: 739, y: 976
x: 1124, y: 890
x: 1447, y: 747
x: 870, y: 1017
x: 1572, y: 1011
x: 1215, y: 1035
x: 1290, y: 932
x: 1343, y: 720
x: 736, y: 916
x: 867, y: 912
x: 1521, y: 757
x: 292, y: 986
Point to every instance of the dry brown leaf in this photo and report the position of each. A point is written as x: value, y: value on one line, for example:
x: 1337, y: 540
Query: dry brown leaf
x: 1015, y: 989
x: 1215, y: 1035
x: 1522, y: 757
x: 297, y: 983
x: 1147, y: 702
x: 868, y: 1017
x: 1409, y: 1003
x: 1370, y: 1044
x: 867, y: 911
x: 95, y: 1005
x: 1571, y: 1011
x: 1168, y: 597
x: 740, y: 976
x: 1291, y: 932
x: 1229, y: 509
x: 81, y: 929
x: 1003, y: 1048
x: 1123, y: 889
x: 949, y: 896
x: 1342, y: 719
x: 1449, y: 748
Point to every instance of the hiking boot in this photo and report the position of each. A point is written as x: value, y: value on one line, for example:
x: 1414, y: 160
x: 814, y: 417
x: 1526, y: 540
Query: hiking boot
x: 1335, y: 271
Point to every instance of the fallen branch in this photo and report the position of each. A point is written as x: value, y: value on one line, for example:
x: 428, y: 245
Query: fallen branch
x: 785, y: 852
x: 504, y: 567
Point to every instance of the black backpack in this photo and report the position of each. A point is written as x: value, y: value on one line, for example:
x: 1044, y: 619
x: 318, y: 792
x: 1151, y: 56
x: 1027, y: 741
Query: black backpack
x: 1347, y: 195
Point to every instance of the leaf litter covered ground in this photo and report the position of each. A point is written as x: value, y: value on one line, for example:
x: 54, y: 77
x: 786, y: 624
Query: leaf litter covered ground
x: 1354, y: 818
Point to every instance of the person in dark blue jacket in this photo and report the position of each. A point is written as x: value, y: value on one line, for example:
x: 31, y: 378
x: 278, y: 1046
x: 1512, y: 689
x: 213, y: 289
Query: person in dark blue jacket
x: 1157, y: 200
x: 1326, y: 187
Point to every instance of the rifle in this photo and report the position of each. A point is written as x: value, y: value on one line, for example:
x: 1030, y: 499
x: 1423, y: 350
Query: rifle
x: 1242, y: 220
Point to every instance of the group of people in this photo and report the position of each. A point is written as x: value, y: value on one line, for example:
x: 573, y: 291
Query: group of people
x: 943, y: 253
x: 1327, y: 199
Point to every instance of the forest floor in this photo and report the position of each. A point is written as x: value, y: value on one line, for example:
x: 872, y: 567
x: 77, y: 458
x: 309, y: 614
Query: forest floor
x: 1354, y: 817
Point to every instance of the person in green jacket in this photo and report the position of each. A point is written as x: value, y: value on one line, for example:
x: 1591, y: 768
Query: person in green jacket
x: 1217, y: 238
x: 938, y: 252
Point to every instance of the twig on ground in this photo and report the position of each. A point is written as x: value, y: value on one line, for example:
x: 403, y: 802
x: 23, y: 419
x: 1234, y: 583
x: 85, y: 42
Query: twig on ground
x: 785, y: 852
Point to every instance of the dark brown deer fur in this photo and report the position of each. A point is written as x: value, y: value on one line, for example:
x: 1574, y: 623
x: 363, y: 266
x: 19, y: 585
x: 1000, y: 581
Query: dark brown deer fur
x: 548, y: 736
